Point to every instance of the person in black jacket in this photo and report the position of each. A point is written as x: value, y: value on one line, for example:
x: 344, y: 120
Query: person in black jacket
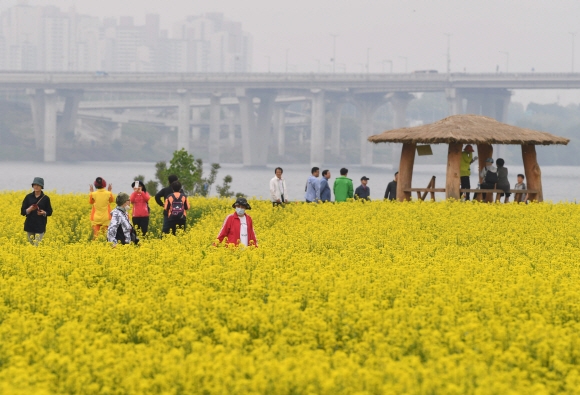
x: 391, y: 192
x: 164, y: 193
x: 36, y: 207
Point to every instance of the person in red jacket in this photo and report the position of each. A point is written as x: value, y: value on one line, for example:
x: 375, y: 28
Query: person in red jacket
x: 139, y: 199
x: 238, y: 227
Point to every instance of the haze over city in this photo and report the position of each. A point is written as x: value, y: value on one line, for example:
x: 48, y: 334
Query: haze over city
x: 484, y: 36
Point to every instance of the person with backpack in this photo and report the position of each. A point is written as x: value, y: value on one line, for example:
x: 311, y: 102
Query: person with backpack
x: 163, y: 194
x: 175, y: 210
x: 238, y: 227
x: 36, y: 207
x: 101, y: 200
x: 120, y: 229
x: 489, y: 176
x: 140, y: 201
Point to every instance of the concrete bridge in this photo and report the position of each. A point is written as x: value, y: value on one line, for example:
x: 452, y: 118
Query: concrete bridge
x: 260, y: 100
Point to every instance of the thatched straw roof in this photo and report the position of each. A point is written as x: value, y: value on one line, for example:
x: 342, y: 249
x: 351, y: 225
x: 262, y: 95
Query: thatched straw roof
x: 467, y: 129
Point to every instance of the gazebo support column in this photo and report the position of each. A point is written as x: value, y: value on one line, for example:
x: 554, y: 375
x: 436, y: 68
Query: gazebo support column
x: 533, y: 172
x: 406, y: 171
x: 452, y: 179
x: 484, y: 151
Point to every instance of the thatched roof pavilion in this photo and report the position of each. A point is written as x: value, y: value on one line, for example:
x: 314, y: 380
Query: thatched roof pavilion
x: 462, y: 129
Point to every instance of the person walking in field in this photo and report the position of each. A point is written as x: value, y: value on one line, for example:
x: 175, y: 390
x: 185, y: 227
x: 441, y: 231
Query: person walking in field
x: 36, y: 208
x: 278, y: 190
x: 363, y: 191
x: 176, y: 206
x: 391, y: 192
x: 101, y: 200
x: 120, y: 229
x: 465, y: 168
x: 313, y: 186
x: 163, y: 194
x: 325, y: 194
x: 343, y: 187
x: 139, y: 199
x: 238, y: 228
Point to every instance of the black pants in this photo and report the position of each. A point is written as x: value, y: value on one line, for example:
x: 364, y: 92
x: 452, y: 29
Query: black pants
x: 141, y: 223
x: 120, y: 236
x: 486, y: 186
x: 465, y: 184
x: 172, y: 225
x: 280, y: 203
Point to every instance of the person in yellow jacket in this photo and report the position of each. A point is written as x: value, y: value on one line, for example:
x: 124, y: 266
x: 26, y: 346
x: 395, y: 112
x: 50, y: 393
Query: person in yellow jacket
x: 465, y: 168
x: 101, y: 200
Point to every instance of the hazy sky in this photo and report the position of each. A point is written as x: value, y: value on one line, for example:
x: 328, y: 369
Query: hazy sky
x: 535, y: 34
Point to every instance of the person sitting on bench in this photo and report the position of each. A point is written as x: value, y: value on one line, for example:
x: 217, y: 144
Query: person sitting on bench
x: 488, y: 175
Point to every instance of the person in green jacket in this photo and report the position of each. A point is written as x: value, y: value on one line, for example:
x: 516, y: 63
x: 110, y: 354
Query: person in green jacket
x: 343, y: 188
x: 465, y: 170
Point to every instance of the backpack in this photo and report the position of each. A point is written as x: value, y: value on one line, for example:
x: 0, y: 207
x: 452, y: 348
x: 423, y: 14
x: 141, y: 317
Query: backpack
x: 491, y: 177
x: 177, y: 207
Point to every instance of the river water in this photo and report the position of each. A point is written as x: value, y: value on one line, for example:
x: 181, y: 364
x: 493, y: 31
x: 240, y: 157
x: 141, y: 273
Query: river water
x: 560, y: 183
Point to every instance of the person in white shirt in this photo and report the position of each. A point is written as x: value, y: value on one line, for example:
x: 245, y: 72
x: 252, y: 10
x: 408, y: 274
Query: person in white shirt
x: 278, y: 191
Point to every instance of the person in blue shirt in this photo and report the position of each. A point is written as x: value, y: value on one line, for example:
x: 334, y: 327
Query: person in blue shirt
x: 313, y: 186
x: 325, y: 194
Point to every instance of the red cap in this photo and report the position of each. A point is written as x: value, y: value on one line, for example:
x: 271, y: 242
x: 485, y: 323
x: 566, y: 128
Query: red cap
x: 468, y: 148
x: 100, y: 183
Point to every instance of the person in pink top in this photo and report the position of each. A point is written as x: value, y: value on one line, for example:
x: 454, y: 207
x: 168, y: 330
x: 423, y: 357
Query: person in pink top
x: 139, y: 199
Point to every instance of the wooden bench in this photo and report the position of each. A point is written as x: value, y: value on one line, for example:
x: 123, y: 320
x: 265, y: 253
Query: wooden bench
x: 477, y: 193
x: 489, y: 198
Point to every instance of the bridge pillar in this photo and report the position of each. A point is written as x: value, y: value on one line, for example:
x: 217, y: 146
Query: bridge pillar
x: 493, y: 103
x: 317, y: 128
x: 280, y: 128
x: 231, y: 118
x: 117, y: 131
x: 68, y: 119
x: 196, y: 129
x: 255, y: 127
x: 36, y: 97
x: 400, y: 102
x: 335, y: 110
x: 455, y: 101
x: 367, y: 105
x: 214, y: 128
x: 183, y: 119
x: 50, y: 124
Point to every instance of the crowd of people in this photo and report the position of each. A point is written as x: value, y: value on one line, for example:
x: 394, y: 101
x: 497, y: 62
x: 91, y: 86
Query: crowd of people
x: 120, y: 228
x: 237, y: 228
x: 492, y: 177
x: 318, y: 190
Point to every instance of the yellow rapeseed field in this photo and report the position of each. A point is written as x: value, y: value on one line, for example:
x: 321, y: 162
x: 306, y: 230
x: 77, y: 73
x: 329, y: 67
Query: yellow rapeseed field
x: 352, y: 298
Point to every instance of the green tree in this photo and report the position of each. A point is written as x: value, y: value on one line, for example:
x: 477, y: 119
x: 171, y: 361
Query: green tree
x: 224, y: 189
x: 189, y: 171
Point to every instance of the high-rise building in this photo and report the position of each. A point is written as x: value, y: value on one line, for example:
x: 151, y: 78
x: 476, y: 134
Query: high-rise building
x: 46, y: 38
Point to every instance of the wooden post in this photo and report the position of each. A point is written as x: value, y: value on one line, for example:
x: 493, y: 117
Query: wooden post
x: 453, y: 180
x: 406, y: 171
x: 484, y: 151
x: 533, y: 172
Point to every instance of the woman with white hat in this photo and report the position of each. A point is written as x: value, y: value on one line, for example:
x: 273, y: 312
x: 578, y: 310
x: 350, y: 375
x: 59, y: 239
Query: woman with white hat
x: 36, y: 207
